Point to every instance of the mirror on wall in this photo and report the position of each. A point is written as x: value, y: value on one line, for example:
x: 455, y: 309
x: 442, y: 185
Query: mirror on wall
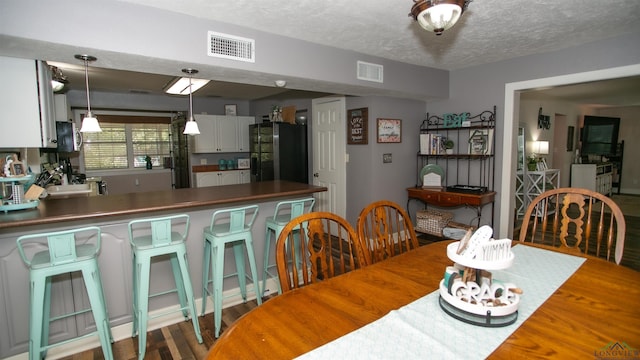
x: 521, y: 153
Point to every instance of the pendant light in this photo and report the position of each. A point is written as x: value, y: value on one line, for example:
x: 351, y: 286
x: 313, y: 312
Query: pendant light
x: 191, y: 127
x: 90, y: 122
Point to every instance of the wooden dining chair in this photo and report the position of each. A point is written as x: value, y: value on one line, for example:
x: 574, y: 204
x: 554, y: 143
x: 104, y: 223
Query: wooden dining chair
x: 578, y: 218
x: 316, y: 246
x: 386, y: 230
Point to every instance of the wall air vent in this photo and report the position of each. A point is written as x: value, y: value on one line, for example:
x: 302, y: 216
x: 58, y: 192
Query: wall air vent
x: 370, y: 72
x: 231, y: 47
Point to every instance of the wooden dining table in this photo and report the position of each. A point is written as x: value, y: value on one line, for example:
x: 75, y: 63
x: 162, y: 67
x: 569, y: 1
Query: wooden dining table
x: 595, y: 310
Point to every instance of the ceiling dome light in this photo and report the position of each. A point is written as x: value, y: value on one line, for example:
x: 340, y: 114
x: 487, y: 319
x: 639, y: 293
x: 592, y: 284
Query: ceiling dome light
x: 438, y: 15
x: 58, y: 80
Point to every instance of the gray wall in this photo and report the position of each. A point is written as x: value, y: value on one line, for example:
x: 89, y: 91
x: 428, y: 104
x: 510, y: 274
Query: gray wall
x: 368, y: 179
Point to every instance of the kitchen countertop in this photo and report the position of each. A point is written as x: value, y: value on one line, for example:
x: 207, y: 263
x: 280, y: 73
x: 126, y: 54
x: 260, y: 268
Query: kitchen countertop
x: 209, y: 168
x: 51, y: 211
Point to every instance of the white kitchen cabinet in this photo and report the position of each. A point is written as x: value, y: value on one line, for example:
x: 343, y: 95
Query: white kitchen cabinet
x: 243, y: 132
x: 222, y: 134
x: 245, y: 176
x: 28, y: 118
x: 62, y: 108
x: 218, y: 178
x: 218, y: 134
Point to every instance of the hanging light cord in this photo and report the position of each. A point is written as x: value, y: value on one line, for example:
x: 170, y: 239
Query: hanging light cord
x: 86, y: 79
x: 190, y: 101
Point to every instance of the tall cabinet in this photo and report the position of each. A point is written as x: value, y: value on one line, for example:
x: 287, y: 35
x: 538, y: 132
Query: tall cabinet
x: 27, y: 103
x: 459, y: 148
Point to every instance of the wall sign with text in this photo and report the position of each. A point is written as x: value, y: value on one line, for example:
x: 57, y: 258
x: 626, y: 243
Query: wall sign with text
x: 357, y: 126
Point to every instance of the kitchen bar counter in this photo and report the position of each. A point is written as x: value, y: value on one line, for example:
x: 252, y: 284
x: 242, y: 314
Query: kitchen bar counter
x: 101, y: 207
x: 112, y: 214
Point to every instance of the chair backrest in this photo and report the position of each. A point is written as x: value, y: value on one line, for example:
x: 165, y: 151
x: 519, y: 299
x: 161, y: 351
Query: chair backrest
x: 233, y: 220
x: 61, y: 245
x: 579, y: 218
x: 317, y: 246
x: 291, y: 209
x: 386, y: 229
x: 162, y: 229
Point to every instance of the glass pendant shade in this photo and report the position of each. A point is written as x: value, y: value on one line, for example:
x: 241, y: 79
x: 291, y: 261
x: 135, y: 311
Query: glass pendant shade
x: 90, y: 124
x: 438, y: 15
x: 191, y: 128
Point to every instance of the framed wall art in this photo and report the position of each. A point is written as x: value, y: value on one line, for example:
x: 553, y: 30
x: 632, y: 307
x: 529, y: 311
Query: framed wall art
x: 231, y: 109
x: 357, y: 133
x: 389, y: 130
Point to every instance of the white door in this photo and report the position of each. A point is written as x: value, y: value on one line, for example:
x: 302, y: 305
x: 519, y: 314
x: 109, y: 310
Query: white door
x: 329, y: 154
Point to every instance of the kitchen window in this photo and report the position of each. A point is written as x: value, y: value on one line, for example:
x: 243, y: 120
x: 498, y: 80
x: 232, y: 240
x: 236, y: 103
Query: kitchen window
x: 126, y: 145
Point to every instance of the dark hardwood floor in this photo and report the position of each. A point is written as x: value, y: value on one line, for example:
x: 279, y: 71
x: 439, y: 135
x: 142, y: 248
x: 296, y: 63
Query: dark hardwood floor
x: 177, y: 341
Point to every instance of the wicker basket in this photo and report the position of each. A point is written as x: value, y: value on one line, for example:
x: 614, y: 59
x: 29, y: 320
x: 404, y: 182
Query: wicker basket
x: 432, y: 222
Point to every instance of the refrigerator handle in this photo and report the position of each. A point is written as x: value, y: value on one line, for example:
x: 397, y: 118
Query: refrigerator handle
x: 254, y: 166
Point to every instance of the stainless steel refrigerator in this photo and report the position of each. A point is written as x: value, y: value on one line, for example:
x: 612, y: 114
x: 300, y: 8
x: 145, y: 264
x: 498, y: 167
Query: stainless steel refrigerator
x: 279, y: 152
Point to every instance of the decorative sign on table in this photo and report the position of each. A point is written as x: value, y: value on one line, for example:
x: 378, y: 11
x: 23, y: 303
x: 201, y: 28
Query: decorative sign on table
x: 389, y: 130
x: 357, y: 126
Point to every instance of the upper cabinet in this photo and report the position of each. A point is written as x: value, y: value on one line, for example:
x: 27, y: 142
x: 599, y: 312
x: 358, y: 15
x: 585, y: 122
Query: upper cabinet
x: 243, y: 132
x: 222, y: 134
x: 28, y: 116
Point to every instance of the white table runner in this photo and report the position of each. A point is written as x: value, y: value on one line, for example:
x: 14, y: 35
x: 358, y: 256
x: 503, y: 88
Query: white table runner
x: 423, y: 330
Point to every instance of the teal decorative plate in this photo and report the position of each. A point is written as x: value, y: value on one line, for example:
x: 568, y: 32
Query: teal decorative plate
x: 432, y: 168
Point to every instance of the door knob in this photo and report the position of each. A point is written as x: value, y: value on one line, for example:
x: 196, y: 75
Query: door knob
x: 316, y: 175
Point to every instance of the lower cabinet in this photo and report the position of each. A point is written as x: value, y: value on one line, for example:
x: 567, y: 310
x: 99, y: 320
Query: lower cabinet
x: 219, y: 178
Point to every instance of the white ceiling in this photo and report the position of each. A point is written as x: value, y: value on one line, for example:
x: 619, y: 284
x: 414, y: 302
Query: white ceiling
x: 489, y: 31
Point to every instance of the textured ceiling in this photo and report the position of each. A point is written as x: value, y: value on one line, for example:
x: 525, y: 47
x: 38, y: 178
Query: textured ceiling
x: 489, y: 31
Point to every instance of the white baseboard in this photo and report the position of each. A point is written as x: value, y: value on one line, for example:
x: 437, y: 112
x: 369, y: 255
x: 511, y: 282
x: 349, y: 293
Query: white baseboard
x: 124, y: 331
x: 629, y: 191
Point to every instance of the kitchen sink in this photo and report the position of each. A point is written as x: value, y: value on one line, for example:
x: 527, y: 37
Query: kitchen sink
x: 69, y: 190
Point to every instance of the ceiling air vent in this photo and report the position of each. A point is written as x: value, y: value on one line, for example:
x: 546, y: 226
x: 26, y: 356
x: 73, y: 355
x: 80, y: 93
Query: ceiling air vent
x: 370, y: 72
x: 231, y: 47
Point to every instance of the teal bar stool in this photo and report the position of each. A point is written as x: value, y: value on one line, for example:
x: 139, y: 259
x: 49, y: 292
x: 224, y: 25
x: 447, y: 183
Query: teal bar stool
x: 228, y: 226
x: 68, y: 251
x: 156, y: 237
x: 285, y: 212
